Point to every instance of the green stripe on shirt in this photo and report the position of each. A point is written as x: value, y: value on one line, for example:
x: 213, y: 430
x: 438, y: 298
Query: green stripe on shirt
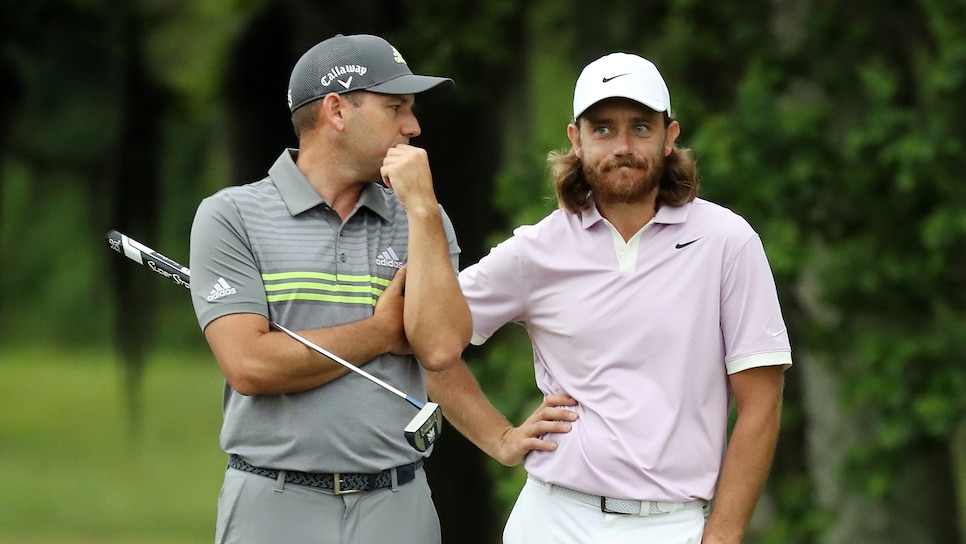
x: 323, y: 276
x: 366, y: 290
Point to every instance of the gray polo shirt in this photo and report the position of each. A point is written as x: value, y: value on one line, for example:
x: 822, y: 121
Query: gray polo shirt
x: 275, y: 248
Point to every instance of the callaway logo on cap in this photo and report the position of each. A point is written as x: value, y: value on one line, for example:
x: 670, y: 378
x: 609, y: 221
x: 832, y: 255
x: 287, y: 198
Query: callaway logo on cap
x: 360, y: 62
x: 621, y: 75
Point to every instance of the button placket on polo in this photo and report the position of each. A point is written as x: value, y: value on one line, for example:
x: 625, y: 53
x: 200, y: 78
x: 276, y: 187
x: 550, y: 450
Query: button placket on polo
x: 338, y: 224
x: 341, y: 257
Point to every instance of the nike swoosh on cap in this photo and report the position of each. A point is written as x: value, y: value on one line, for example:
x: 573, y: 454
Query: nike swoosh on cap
x: 606, y: 79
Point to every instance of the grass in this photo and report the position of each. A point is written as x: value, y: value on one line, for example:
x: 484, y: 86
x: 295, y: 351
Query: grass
x: 72, y: 471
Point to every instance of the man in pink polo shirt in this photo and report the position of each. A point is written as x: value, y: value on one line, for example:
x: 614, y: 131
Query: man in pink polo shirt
x: 649, y: 310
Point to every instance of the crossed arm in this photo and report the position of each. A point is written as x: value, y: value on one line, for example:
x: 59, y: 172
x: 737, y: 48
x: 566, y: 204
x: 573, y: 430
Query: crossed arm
x: 258, y: 361
x: 436, y: 317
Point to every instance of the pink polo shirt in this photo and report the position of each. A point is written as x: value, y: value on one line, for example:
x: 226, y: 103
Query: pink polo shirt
x: 641, y: 334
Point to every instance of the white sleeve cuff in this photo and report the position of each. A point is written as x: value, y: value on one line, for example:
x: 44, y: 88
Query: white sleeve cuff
x: 761, y: 359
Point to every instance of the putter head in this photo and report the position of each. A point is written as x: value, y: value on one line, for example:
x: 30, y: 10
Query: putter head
x: 423, y: 430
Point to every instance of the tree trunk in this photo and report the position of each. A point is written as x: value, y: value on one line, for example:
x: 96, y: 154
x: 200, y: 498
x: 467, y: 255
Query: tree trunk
x: 957, y: 449
x: 921, y: 508
x: 136, y: 188
x: 11, y: 92
x: 257, y: 124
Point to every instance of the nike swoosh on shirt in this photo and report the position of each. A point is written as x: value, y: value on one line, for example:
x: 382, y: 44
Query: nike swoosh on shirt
x: 686, y: 244
x: 776, y: 334
x: 606, y: 79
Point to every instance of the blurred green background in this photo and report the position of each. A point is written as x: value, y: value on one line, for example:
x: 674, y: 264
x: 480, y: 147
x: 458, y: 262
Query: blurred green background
x: 73, y: 474
x: 835, y: 128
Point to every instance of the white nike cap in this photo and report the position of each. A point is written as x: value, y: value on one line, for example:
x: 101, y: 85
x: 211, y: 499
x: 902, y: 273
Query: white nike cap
x: 621, y: 75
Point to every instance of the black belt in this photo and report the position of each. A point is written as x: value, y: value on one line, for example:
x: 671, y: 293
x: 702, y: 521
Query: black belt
x: 341, y: 483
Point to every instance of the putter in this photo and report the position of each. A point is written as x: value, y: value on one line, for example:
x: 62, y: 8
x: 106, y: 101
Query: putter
x: 420, y: 432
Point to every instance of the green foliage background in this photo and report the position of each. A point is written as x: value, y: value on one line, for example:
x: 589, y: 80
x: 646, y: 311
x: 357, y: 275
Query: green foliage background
x: 836, y: 129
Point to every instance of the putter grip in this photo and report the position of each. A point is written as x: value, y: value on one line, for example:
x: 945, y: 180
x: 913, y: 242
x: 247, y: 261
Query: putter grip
x: 142, y: 254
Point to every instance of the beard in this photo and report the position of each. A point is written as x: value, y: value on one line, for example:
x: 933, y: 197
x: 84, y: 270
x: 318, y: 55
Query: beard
x: 609, y: 183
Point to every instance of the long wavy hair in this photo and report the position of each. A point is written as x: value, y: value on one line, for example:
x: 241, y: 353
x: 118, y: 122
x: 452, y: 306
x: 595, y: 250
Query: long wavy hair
x: 679, y: 184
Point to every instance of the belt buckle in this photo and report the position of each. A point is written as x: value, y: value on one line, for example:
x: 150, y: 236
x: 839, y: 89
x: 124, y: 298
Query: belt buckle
x: 337, y: 486
x: 604, y: 509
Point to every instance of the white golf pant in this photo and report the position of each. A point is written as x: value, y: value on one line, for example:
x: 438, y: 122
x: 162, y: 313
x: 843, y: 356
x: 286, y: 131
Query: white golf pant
x: 543, y: 513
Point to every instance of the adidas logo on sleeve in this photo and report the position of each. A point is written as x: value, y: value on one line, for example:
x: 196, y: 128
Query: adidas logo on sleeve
x: 220, y: 290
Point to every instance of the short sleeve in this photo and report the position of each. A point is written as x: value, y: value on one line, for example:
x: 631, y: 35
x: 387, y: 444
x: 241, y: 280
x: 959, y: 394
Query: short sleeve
x: 752, y: 326
x: 454, y: 248
x: 225, y: 278
x: 496, y: 290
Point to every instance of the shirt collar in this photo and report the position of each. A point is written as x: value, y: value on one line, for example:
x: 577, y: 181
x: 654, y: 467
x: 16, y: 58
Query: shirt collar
x: 299, y: 195
x: 665, y: 214
x: 670, y: 215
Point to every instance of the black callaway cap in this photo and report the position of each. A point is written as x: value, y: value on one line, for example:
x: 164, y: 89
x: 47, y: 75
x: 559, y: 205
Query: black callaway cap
x: 360, y: 62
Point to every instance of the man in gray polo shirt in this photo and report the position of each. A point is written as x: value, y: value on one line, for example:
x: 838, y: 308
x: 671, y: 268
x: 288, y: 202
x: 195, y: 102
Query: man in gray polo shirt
x: 317, y: 454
